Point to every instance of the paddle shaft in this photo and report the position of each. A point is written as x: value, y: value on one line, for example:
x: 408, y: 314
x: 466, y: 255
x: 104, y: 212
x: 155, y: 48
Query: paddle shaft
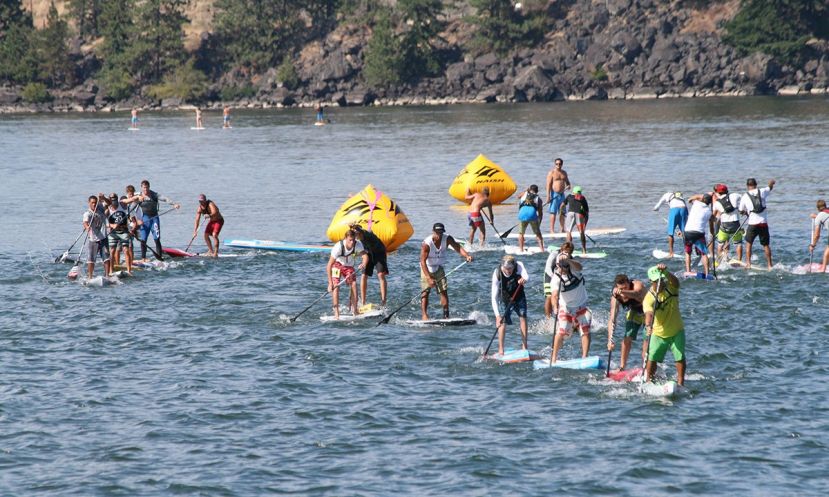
x: 80, y: 253
x: 511, y: 300
x: 731, y: 236
x: 500, y: 236
x: 647, y: 335
x: 65, y: 253
x: 419, y: 295
x: 320, y: 297
x: 811, y: 248
x: 196, y: 232
x: 610, y: 333
x: 555, y: 319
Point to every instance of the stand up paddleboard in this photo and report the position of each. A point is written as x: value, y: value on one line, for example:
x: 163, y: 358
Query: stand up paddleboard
x: 513, y: 250
x: 318, y: 123
x: 511, y: 356
x: 664, y: 254
x: 590, y: 362
x: 579, y: 254
x: 625, y: 375
x: 442, y: 322
x: 133, y: 129
x: 276, y: 245
x: 806, y: 269
x: 589, y: 231
x: 690, y: 275
x: 99, y: 281
x: 174, y: 252
x: 667, y: 389
x: 197, y: 129
x: 345, y: 318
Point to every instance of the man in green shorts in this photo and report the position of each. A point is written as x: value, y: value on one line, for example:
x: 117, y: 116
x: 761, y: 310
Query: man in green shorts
x: 433, y: 254
x: 663, y: 322
x: 629, y: 294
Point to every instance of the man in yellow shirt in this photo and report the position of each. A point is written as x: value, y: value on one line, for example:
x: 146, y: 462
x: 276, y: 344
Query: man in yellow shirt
x: 663, y: 322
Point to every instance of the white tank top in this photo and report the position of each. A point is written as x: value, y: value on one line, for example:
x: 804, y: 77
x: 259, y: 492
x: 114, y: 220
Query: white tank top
x: 437, y: 255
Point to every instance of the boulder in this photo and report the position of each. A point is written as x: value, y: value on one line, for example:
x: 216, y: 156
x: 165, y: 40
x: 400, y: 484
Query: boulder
x: 171, y: 103
x: 595, y: 94
x: 8, y: 96
x: 485, y: 61
x: 596, y: 55
x: 83, y: 97
x: 535, y: 85
x: 334, y: 67
x: 759, y: 68
x: 283, y: 96
x: 457, y: 72
x: 626, y: 44
x: 663, y: 53
x: 359, y: 96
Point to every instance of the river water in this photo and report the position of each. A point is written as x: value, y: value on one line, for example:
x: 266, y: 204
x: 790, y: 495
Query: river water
x: 190, y: 381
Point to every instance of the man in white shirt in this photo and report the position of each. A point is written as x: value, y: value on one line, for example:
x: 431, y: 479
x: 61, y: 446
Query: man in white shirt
x: 677, y: 216
x: 821, y: 221
x: 699, y: 221
x: 93, y: 223
x: 340, y: 268
x: 570, y: 299
x: 727, y: 210
x: 753, y: 203
x: 507, y: 295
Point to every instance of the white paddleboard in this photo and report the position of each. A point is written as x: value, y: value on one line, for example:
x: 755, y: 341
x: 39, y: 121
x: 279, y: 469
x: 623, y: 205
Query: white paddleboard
x: 664, y: 254
x: 590, y: 362
x: 344, y: 318
x: 197, y: 129
x: 442, y: 322
x: 807, y: 269
x: 511, y: 356
x: 133, y: 129
x: 579, y: 254
x: 319, y: 123
x: 667, y: 389
x: 528, y: 250
x: 589, y: 231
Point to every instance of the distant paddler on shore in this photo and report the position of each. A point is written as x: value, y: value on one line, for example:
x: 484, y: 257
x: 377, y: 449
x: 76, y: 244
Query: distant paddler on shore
x: 134, y: 118
x: 677, y: 216
x: 226, y: 117
x: 557, y: 183
x: 820, y: 221
x: 433, y: 253
x: 478, y: 201
x: 209, y: 209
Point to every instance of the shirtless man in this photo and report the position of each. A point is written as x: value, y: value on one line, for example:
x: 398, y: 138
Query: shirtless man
x: 199, y: 122
x: 214, y: 225
x: 226, y: 117
x: 134, y: 118
x: 479, y: 200
x: 557, y: 182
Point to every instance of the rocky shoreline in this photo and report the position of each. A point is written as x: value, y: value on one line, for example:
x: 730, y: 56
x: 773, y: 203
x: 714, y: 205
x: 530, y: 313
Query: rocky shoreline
x: 611, y: 50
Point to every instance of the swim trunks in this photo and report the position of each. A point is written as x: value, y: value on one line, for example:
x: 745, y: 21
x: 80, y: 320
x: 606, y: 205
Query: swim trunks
x: 95, y: 249
x: 581, y: 319
x: 377, y: 260
x: 730, y: 231
x: 555, y: 202
x: 573, y: 220
x: 340, y: 272
x: 440, y: 280
x: 658, y: 347
x: 475, y: 219
x: 695, y: 240
x: 533, y: 224
x: 119, y: 239
x: 519, y: 306
x: 214, y: 227
x: 755, y: 230
x: 677, y: 217
x: 152, y: 224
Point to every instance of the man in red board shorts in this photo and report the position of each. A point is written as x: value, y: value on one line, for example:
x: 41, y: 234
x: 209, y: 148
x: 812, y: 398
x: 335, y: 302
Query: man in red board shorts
x: 340, y: 269
x: 214, y: 224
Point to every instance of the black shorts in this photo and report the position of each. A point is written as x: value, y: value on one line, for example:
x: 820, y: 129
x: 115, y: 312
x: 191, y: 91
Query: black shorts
x: 378, y: 261
x: 757, y: 230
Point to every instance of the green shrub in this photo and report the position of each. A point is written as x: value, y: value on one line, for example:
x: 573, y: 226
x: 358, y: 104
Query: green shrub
x: 117, y: 83
x: 186, y: 83
x: 383, y: 61
x: 286, y: 73
x: 229, y: 93
x: 36, y: 93
x: 599, y: 74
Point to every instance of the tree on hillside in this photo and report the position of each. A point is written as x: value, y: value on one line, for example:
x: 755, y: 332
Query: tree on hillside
x: 257, y: 34
x: 778, y: 27
x: 56, y: 67
x: 420, y: 58
x: 383, y: 64
x: 117, y: 30
x: 502, y: 27
x: 18, y: 59
x: 158, y: 40
x: 86, y: 14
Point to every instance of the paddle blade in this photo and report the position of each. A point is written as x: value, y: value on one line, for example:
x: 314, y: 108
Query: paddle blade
x: 62, y: 257
x: 73, y: 273
x: 506, y: 233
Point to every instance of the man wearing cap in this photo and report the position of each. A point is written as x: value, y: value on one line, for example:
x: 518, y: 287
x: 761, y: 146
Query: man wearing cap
x: 557, y: 183
x: 727, y: 211
x: 699, y: 220
x: 477, y: 202
x: 530, y: 211
x: 569, y: 297
x: 376, y: 260
x: 677, y: 216
x: 753, y: 204
x: 432, y: 275
x: 214, y: 224
x: 577, y: 214
x: 507, y: 294
x: 663, y: 322
x: 119, y: 233
x: 821, y: 221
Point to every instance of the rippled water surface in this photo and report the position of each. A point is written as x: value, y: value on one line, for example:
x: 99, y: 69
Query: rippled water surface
x: 190, y: 381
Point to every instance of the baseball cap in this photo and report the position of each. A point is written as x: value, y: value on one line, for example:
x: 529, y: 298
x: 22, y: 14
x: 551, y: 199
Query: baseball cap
x: 576, y: 189
x: 654, y: 274
x: 720, y: 188
x: 438, y: 227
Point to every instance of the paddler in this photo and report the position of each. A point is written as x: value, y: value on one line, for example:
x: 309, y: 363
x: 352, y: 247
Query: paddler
x: 577, y: 213
x: 507, y: 294
x: 199, y: 121
x: 340, y: 267
x: 134, y: 118
x: 530, y: 211
x: 226, y: 117
x: 377, y: 259
x: 677, y: 216
x: 96, y: 243
x: 432, y: 275
x: 628, y: 294
x: 699, y: 221
x: 119, y: 233
x: 477, y: 202
x: 320, y: 112
x: 753, y: 204
x: 727, y: 210
x: 821, y: 221
x: 557, y: 183
x: 148, y: 201
x: 663, y: 322
x: 214, y: 224
x: 569, y: 299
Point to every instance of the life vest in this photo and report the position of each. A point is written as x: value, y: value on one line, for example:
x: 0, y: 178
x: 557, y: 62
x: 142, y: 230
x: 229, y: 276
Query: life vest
x: 575, y: 204
x: 725, y: 203
x: 756, y: 203
x: 527, y: 208
x: 569, y: 283
x: 509, y: 284
x: 658, y: 304
x: 344, y: 254
x: 150, y: 206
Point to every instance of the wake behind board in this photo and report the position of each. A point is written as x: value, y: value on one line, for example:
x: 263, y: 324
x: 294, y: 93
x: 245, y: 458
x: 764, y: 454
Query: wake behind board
x: 513, y: 250
x: 442, y: 322
x: 807, y: 269
x: 579, y: 254
x: 590, y: 231
x: 664, y: 254
x: 276, y: 245
x: 511, y: 356
x: 667, y: 389
x: 625, y: 375
x: 590, y: 362
x: 345, y: 318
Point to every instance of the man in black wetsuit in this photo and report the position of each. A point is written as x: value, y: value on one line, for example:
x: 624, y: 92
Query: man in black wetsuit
x: 376, y: 260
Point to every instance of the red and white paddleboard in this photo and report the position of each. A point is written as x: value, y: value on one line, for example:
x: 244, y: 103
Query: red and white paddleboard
x: 174, y: 252
x: 625, y: 375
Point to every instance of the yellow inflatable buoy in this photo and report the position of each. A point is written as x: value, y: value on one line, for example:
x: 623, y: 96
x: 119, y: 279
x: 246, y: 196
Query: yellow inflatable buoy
x: 375, y: 212
x: 479, y: 173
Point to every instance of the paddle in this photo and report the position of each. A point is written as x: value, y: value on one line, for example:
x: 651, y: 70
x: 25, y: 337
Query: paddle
x: 386, y: 319
x: 321, y: 297
x: 500, y: 236
x: 511, y: 300
x: 811, y: 247
x: 73, y: 272
x: 648, y: 337
x: 195, y: 233
x: 62, y: 257
x: 727, y: 243
x: 610, y: 335
x: 555, y: 320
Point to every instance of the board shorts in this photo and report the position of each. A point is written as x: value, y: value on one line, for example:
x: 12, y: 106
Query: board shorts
x: 658, y: 347
x: 379, y: 261
x: 732, y: 231
x: 556, y: 199
x: 633, y: 324
x: 117, y: 240
x: 519, y: 306
x: 214, y: 227
x: 134, y: 120
x: 695, y: 240
x: 151, y: 224
x: 226, y: 119
x: 98, y: 248
x: 475, y: 219
x: 548, y: 291
x: 677, y: 217
x: 761, y: 230
x: 581, y: 318
x: 522, y: 227
x: 439, y: 276
x: 340, y: 272
x: 573, y: 220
